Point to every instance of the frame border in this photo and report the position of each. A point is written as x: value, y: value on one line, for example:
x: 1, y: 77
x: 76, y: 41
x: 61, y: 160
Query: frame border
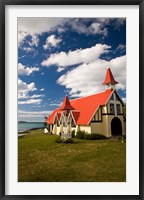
x: 3, y: 3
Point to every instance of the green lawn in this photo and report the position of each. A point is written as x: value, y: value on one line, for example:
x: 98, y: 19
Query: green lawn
x: 41, y: 159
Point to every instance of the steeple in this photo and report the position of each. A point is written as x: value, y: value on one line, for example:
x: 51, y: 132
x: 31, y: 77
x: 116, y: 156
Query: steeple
x: 110, y: 82
x: 66, y: 104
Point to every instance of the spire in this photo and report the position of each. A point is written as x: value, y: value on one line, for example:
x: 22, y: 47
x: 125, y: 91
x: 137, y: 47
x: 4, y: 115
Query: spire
x: 66, y: 104
x: 109, y: 79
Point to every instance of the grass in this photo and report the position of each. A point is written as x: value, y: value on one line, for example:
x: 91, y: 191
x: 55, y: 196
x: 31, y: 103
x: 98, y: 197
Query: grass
x: 41, y: 159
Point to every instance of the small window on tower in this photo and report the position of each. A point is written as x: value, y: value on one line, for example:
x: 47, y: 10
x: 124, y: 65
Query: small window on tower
x: 111, y: 108
x: 118, y: 109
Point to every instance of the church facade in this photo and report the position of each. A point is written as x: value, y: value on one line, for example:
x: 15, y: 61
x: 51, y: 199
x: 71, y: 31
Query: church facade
x: 100, y: 113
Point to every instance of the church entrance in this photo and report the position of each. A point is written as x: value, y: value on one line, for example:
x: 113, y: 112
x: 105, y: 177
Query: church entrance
x: 116, y: 126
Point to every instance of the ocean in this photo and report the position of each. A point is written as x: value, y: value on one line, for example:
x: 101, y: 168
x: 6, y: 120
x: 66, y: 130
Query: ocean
x: 23, y: 126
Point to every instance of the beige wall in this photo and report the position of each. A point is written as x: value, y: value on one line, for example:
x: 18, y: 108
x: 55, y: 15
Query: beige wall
x: 101, y: 127
x: 55, y: 129
x: 85, y: 128
x: 104, y: 109
x: 96, y: 128
x: 104, y: 128
x: 58, y: 130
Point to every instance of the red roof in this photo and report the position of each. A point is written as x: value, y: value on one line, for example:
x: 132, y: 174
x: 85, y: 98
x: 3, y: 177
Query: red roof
x: 85, y: 107
x: 109, y: 79
x: 66, y: 104
x: 76, y: 115
x: 51, y: 118
x: 59, y: 116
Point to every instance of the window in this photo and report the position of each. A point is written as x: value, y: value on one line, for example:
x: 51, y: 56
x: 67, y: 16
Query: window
x: 97, y: 116
x: 111, y: 108
x: 100, y: 112
x: 94, y: 118
x: 118, y: 109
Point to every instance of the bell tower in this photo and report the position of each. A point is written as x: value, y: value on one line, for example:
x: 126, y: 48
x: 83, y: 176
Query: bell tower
x: 109, y: 82
x: 66, y: 120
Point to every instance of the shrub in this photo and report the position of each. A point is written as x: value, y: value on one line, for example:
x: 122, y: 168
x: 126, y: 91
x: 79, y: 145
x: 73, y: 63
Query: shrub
x: 94, y: 136
x: 68, y: 141
x: 80, y: 134
x: 87, y: 136
x: 59, y: 140
x: 73, y: 133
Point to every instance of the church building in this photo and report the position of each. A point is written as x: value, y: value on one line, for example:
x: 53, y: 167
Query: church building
x: 100, y: 113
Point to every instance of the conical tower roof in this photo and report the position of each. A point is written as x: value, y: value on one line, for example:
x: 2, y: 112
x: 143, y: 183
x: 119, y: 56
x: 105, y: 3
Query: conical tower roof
x: 66, y: 104
x: 109, y: 79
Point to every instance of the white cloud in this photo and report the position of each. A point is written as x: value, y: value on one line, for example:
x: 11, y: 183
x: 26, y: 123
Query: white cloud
x: 24, y: 88
x: 63, y: 59
x: 56, y: 104
x: 21, y: 36
x: 30, y: 101
x: 95, y: 27
x: 42, y: 89
x: 121, y: 47
x: 51, y: 41
x: 124, y: 99
x: 22, y: 70
x: 92, y: 26
x: 35, y: 26
x: 118, y: 66
x: 36, y: 96
x: 22, y: 113
x: 23, y: 93
x: 34, y: 41
x: 32, y: 97
x: 28, y: 49
x: 87, y: 79
x: 38, y: 25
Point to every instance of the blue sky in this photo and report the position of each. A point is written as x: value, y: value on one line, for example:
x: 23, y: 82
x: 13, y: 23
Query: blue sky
x: 67, y: 56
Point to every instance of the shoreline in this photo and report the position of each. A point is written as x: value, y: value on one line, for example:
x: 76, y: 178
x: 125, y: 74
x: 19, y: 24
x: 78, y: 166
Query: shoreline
x: 28, y: 130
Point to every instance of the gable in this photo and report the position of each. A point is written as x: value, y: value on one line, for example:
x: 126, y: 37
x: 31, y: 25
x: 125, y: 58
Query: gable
x: 115, y: 97
x: 114, y: 105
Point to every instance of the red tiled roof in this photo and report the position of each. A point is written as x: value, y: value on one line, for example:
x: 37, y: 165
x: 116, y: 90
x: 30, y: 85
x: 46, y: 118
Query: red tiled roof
x: 66, y: 104
x: 76, y: 115
x: 51, y: 118
x: 59, y: 116
x: 109, y: 79
x: 85, y: 107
